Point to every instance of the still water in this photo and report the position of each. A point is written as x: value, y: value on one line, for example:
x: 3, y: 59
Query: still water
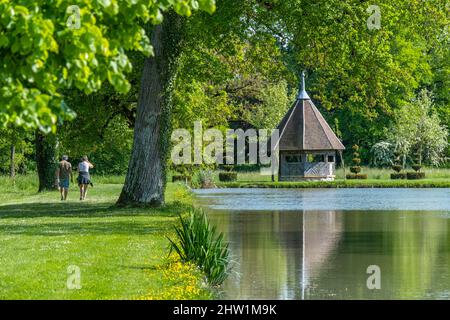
x: 318, y: 244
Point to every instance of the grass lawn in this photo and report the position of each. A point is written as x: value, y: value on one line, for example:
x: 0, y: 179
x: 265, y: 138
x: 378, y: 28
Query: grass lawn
x: 369, y: 183
x: 121, y: 253
x: 377, y: 178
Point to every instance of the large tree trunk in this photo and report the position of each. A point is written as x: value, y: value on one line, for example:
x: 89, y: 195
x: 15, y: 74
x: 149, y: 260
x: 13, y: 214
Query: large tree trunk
x: 46, y: 160
x: 146, y: 178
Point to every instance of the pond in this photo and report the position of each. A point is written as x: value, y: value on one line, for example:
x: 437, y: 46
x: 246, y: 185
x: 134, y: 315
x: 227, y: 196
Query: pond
x: 319, y: 243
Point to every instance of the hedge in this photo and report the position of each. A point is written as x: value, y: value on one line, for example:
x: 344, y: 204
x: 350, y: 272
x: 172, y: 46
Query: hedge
x: 227, y: 176
x: 361, y: 176
x: 415, y: 175
x: 182, y: 178
x: 397, y: 176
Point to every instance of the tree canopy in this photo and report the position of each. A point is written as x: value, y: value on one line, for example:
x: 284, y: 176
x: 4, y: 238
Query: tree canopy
x: 44, y: 50
x: 240, y: 63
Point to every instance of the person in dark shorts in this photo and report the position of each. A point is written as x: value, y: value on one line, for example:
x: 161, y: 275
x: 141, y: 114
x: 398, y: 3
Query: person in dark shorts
x: 63, y: 173
x: 84, y: 178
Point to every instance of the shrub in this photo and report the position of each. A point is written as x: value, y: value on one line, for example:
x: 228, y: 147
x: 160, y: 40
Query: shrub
x: 398, y: 175
x: 182, y: 178
x: 199, y: 243
x: 382, y: 155
x: 415, y: 175
x: 227, y: 176
x: 417, y: 165
x: 356, y: 168
x: 397, y: 167
x: 206, y: 179
x: 361, y: 176
x: 227, y: 167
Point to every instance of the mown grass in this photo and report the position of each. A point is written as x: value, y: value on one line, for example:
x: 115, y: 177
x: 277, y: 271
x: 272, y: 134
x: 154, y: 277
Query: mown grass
x: 121, y: 253
x: 377, y: 178
x: 372, y: 183
x: 385, y: 173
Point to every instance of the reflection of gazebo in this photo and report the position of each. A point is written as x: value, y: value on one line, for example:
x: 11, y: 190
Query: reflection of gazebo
x: 281, y: 255
x: 307, y: 145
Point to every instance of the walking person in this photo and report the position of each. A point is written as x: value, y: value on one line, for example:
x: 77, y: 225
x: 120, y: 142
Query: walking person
x: 63, y: 173
x: 84, y: 178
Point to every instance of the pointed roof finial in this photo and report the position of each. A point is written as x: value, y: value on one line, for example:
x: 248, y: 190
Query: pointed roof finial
x: 303, y: 95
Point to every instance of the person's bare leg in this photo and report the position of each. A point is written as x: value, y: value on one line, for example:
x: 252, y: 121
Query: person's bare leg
x: 81, y: 191
x: 61, y: 191
x: 85, y: 191
x: 66, y: 192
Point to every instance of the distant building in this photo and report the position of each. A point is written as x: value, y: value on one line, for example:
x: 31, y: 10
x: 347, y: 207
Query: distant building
x: 307, y: 146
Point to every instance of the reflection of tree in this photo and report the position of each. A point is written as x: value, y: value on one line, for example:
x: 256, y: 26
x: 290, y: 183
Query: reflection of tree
x: 411, y: 248
x: 325, y: 254
x: 261, y: 271
x: 419, y: 250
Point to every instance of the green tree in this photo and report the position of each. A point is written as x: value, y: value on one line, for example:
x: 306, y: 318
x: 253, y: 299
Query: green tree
x: 359, y: 75
x: 47, y: 47
x: 146, y: 175
x: 15, y: 149
x: 42, y: 55
x: 418, y: 129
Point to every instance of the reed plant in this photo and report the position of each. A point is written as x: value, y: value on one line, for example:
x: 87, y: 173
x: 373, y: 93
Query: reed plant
x: 200, y: 243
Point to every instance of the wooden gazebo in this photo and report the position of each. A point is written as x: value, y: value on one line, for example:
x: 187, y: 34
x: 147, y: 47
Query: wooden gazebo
x: 307, y: 145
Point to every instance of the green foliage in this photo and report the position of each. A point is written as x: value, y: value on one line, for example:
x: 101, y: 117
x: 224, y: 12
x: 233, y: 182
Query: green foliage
x: 362, y: 76
x: 198, y: 242
x: 415, y: 175
x: 227, y: 176
x: 205, y: 178
x: 356, y: 168
x: 417, y: 127
x: 227, y: 167
x: 397, y: 165
x: 416, y: 167
x: 382, y: 154
x: 417, y: 162
x: 228, y: 74
x: 398, y: 175
x: 428, y: 183
x: 42, y: 55
x: 110, y: 151
x: 357, y: 175
x: 104, y: 125
x: 181, y: 178
x: 22, y: 141
x: 273, y: 103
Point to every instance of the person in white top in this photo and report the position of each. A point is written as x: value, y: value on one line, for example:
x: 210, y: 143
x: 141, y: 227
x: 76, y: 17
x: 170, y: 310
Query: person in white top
x: 84, y: 178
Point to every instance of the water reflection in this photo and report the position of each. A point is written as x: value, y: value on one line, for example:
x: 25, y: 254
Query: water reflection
x: 324, y: 254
